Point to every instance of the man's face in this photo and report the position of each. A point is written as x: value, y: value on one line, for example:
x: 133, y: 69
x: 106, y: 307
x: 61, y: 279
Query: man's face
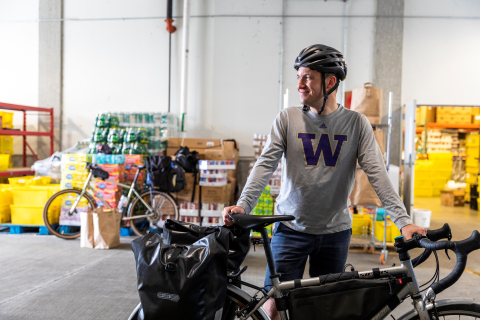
x: 309, y: 86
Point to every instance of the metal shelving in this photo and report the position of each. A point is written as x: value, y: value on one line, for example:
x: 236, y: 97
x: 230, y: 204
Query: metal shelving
x: 25, y: 133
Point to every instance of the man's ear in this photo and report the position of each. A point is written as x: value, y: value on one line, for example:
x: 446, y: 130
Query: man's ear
x: 331, y: 82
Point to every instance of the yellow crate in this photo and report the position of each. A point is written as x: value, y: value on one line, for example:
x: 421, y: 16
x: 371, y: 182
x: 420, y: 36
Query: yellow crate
x: 439, y: 183
x: 379, y: 230
x: 7, y: 119
x: 423, y: 192
x: 471, y: 162
x: 4, y: 162
x: 471, y: 169
x: 474, y: 152
x: 361, y: 224
x: 472, y: 140
x: 6, y: 143
x: 33, y: 215
x: 436, y: 191
x: 423, y: 183
x: 6, y: 197
x: 440, y: 156
x: 470, y: 178
x: 5, y: 213
x: 10, y: 152
x: 424, y: 165
x: 34, y: 196
x: 20, y: 180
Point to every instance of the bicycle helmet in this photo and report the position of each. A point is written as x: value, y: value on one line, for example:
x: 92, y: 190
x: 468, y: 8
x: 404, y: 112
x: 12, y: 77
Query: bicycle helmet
x: 323, y: 59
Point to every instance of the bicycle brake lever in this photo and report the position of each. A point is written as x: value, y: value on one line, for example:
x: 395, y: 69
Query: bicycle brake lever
x: 446, y: 252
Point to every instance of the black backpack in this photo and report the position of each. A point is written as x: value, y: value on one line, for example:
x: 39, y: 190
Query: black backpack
x: 187, y: 159
x: 189, y: 162
x: 165, y: 175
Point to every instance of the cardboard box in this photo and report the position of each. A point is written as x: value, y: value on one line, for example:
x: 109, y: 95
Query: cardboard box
x: 455, y: 198
x: 425, y: 114
x: 215, y: 154
x: 228, y: 151
x: 194, y: 144
x: 216, y: 194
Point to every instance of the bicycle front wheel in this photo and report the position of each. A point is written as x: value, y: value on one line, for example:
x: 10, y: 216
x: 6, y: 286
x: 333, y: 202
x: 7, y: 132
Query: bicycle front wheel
x: 451, y: 309
x: 163, y: 207
x: 61, y: 213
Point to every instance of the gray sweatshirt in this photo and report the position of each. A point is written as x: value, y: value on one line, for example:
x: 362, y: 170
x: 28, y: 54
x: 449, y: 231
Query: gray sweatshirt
x: 320, y: 156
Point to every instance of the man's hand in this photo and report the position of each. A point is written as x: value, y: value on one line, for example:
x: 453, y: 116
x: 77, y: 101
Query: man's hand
x: 233, y: 209
x: 409, y: 230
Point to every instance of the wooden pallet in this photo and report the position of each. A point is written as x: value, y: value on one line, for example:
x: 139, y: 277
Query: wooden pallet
x: 26, y: 228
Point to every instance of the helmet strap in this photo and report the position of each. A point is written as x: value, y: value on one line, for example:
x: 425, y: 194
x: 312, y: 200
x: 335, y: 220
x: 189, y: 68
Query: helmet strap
x: 325, y: 93
x: 305, y: 108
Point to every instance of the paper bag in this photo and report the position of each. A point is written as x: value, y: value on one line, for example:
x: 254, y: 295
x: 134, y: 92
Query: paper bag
x: 363, y: 193
x: 106, y: 226
x: 86, y: 229
x: 368, y: 100
x: 380, y: 138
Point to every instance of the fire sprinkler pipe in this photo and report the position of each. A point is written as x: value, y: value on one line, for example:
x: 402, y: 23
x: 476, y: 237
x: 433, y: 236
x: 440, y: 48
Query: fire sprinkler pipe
x: 171, y: 29
x: 184, y: 75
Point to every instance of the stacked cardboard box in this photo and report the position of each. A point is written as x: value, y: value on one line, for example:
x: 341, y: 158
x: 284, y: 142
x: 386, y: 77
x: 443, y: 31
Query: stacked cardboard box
x: 275, y: 183
x: 425, y: 115
x: 454, y: 115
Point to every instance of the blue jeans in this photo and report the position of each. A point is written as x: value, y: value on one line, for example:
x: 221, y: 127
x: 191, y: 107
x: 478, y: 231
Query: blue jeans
x: 290, y: 249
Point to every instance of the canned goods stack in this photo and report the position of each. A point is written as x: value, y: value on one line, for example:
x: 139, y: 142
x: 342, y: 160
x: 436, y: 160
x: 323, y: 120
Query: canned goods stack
x: 259, y: 141
x: 73, y: 170
x: 110, y: 192
x: 104, y: 123
x: 264, y: 207
x: 213, y: 178
x: 211, y: 213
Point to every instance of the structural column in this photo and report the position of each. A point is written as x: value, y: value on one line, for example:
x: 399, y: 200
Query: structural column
x: 50, y: 76
x: 387, y: 73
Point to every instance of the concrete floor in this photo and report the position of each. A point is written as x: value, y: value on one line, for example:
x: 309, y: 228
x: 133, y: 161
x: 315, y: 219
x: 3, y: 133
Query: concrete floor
x: 43, y: 277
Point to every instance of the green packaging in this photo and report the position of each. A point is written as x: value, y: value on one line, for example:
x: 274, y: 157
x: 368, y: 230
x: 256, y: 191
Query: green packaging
x: 115, y: 135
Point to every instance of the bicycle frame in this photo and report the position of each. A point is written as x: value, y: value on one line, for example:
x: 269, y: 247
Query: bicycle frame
x: 411, y: 289
x: 131, y: 190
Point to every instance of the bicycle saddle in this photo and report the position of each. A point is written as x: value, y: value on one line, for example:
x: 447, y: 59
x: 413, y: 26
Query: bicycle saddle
x: 247, y: 221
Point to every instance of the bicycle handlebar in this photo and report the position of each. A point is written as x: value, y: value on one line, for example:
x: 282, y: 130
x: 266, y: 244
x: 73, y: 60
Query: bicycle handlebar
x: 433, y: 235
x: 461, y: 249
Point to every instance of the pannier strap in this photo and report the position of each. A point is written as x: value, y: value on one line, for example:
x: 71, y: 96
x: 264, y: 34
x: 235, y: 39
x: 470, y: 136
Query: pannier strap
x: 171, y: 262
x: 376, y: 273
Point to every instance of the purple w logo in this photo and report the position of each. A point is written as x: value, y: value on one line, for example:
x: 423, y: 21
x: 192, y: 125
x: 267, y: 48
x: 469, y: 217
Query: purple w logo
x: 312, y: 155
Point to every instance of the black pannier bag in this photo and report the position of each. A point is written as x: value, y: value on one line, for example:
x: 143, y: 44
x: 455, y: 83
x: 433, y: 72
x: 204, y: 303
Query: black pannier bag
x: 184, y: 234
x: 165, y: 175
x: 182, y: 283
x: 344, y: 300
x: 188, y: 160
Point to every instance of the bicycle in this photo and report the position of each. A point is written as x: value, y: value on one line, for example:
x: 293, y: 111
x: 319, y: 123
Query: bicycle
x: 143, y: 211
x: 240, y: 305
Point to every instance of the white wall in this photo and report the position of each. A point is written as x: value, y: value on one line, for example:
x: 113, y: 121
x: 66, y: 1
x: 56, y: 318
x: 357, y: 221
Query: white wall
x: 19, y: 61
x: 122, y: 65
x: 441, y: 55
x: 234, y: 61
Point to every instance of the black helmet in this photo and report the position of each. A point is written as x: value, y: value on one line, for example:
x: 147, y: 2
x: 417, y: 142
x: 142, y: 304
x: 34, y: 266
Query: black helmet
x: 323, y: 59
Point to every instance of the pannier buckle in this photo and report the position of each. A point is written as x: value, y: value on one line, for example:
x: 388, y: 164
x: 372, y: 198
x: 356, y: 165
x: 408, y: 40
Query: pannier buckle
x: 170, y: 267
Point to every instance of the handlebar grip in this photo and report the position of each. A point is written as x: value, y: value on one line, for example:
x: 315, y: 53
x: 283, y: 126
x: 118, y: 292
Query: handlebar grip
x: 468, y: 245
x: 456, y: 273
x: 443, y: 233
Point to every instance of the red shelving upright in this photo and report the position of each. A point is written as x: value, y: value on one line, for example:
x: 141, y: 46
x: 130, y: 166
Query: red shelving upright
x: 25, y: 133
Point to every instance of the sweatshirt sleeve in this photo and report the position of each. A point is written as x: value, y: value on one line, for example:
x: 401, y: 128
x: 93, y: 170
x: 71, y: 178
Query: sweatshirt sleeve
x: 266, y: 164
x: 371, y: 161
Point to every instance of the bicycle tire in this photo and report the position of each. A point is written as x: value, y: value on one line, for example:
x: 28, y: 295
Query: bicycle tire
x: 171, y: 211
x: 53, y: 229
x: 447, y: 308
x: 235, y: 300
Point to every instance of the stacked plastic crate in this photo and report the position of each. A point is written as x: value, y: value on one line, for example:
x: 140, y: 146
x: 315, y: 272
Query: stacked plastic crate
x: 472, y: 154
x: 432, y: 175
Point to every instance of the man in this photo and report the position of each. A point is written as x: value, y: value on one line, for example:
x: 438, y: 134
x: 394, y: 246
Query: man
x: 321, y: 143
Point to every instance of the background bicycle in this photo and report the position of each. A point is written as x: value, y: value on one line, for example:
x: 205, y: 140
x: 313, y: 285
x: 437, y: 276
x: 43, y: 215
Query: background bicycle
x: 142, y: 211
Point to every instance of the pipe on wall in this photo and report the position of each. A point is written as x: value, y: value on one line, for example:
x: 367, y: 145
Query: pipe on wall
x: 184, y: 74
